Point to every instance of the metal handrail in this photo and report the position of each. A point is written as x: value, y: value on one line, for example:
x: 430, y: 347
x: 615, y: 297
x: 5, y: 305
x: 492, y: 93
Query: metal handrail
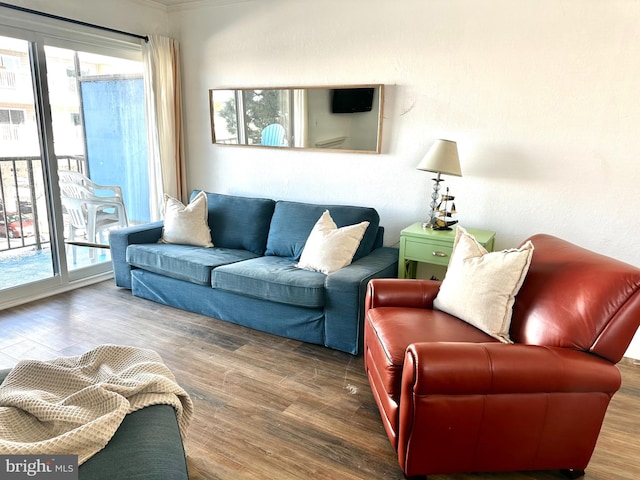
x: 17, y: 176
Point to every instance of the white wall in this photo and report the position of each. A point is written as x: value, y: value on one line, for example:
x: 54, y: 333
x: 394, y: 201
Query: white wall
x: 542, y: 97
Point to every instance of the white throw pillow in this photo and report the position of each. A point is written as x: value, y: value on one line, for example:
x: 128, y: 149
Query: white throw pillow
x: 330, y: 248
x: 186, y: 225
x: 480, y: 287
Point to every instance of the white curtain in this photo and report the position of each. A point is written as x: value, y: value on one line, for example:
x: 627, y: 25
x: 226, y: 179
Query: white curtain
x: 164, y: 118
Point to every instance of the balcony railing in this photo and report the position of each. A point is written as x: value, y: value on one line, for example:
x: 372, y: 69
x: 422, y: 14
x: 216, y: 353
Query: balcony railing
x: 24, y: 219
x: 7, y: 79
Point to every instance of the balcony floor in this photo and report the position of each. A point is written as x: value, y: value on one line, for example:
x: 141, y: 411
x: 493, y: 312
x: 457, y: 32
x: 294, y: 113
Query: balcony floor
x: 26, y: 265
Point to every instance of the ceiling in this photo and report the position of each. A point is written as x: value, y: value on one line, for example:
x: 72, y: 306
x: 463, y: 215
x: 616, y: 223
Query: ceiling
x: 171, y: 3
x: 175, y: 3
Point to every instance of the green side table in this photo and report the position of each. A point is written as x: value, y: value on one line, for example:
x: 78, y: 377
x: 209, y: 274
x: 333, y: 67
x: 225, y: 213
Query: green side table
x: 419, y: 244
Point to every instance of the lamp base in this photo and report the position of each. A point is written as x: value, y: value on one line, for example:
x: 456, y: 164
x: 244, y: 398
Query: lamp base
x: 434, y: 226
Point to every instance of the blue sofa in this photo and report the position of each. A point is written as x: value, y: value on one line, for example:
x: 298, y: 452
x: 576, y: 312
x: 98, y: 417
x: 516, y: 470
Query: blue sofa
x: 130, y: 454
x: 250, y: 276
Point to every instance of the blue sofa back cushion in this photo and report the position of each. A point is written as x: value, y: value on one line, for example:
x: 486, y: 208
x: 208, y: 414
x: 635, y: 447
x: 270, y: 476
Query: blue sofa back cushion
x: 239, y: 222
x: 292, y: 223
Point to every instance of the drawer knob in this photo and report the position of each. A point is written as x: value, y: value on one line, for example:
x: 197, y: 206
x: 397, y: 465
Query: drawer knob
x: 438, y: 253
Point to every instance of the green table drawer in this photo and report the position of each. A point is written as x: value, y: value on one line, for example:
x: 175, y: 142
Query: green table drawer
x: 428, y: 252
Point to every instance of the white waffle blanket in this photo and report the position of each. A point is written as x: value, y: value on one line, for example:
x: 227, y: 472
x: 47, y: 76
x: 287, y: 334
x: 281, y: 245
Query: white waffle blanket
x: 74, y: 405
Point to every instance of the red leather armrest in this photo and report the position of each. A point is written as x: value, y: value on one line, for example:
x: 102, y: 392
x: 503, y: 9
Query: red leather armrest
x: 398, y: 292
x: 497, y: 368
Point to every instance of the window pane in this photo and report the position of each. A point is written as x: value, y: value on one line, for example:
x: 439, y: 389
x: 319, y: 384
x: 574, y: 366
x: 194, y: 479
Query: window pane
x: 17, y: 117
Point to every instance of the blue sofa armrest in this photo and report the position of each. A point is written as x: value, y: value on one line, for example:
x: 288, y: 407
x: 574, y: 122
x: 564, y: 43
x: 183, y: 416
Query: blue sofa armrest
x: 344, y: 301
x: 119, y: 240
x: 146, y: 446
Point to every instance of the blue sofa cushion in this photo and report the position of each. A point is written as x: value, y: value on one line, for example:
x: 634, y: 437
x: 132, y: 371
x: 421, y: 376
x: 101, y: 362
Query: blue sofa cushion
x: 292, y: 223
x: 276, y: 279
x: 183, y: 262
x: 239, y: 222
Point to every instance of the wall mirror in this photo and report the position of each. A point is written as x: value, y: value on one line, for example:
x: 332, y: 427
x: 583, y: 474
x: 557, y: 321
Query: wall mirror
x: 345, y: 118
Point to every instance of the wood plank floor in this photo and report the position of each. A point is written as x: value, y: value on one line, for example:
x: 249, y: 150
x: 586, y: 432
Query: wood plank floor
x: 268, y: 407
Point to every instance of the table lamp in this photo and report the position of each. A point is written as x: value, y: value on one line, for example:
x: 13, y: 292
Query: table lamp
x: 442, y: 157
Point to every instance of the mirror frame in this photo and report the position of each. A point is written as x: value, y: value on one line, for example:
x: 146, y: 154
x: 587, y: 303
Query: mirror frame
x: 378, y: 100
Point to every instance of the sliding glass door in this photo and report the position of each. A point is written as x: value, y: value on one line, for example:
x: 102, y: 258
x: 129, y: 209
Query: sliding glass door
x: 25, y: 227
x: 73, y: 158
x: 99, y: 133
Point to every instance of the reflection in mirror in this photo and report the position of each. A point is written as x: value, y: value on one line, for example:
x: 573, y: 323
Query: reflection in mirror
x: 342, y: 118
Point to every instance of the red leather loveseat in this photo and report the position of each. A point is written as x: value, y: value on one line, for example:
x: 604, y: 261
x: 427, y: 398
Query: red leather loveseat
x: 453, y: 399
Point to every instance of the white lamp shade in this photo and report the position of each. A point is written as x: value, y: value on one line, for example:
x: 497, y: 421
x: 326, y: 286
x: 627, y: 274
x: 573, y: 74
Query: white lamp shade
x: 442, y: 157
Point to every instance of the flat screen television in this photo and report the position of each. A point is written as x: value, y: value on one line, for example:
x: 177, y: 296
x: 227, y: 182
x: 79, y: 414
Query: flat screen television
x: 351, y: 100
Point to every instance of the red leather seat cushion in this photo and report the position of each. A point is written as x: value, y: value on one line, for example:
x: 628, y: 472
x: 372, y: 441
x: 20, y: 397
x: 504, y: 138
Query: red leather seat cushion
x: 392, y: 329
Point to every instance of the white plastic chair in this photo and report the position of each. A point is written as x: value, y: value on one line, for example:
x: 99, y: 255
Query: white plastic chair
x: 87, y: 210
